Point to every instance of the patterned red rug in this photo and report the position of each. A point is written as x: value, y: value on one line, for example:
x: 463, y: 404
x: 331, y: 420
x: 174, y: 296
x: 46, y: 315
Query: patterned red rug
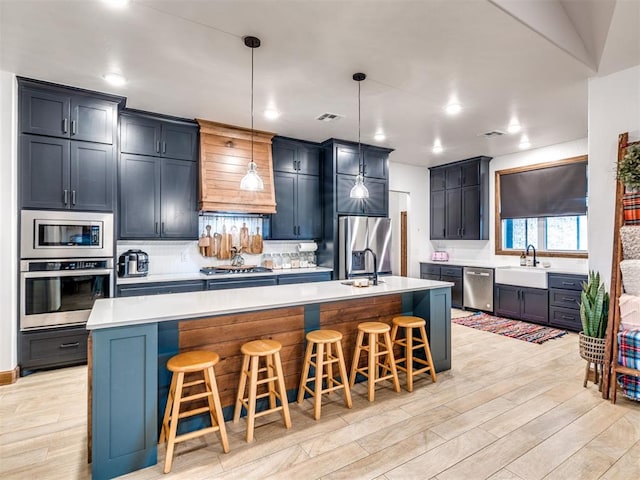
x: 528, y: 332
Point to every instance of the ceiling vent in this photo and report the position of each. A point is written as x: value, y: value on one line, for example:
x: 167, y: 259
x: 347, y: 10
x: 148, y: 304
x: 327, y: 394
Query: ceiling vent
x: 329, y: 117
x: 491, y: 134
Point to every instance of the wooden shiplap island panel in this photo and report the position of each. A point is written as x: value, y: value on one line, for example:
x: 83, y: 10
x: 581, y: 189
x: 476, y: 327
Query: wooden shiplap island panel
x: 134, y: 337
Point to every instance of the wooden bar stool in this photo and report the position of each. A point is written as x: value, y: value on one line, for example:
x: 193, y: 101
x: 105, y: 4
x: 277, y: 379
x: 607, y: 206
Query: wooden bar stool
x: 191, y: 362
x: 253, y: 352
x: 323, y: 361
x: 411, y: 343
x: 375, y: 369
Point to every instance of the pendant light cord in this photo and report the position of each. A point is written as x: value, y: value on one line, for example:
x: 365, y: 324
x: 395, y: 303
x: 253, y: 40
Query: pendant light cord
x: 252, y: 105
x: 359, y: 144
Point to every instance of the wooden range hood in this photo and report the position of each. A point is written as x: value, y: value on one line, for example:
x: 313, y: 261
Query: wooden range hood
x: 225, y: 152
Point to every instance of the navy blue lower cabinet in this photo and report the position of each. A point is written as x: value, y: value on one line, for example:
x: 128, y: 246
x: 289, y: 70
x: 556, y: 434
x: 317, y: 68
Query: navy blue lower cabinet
x: 160, y: 288
x: 304, y: 278
x: 226, y: 283
x: 522, y: 303
x: 124, y: 400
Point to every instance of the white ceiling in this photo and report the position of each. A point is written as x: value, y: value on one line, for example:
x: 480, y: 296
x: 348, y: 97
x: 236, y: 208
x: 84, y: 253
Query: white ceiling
x: 505, y: 59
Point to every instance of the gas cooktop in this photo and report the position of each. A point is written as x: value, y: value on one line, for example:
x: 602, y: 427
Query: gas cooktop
x: 232, y: 269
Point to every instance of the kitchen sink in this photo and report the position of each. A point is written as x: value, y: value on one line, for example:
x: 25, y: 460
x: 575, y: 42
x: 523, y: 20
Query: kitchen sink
x: 350, y: 283
x: 534, y: 277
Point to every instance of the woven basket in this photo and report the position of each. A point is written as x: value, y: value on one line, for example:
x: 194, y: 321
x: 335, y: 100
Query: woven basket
x: 591, y: 348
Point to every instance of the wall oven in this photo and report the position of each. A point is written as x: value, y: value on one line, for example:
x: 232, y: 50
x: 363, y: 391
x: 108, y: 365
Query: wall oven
x: 62, y: 234
x: 56, y: 293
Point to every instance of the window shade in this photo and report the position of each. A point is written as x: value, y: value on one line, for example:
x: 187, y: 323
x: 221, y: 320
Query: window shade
x: 546, y: 192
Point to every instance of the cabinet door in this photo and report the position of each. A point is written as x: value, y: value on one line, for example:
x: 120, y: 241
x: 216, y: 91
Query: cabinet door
x: 470, y: 173
x: 308, y: 158
x: 178, y: 192
x: 436, y: 179
x: 347, y: 160
x: 44, y: 172
x: 344, y: 203
x: 283, y: 223
x: 453, y: 177
x: 534, y: 305
x: 507, y: 301
x: 437, y: 218
x: 139, y: 197
x: 375, y: 163
x: 93, y: 175
x: 92, y: 120
x: 44, y: 113
x: 453, y: 213
x: 284, y: 157
x: 470, y: 229
x: 179, y: 141
x: 140, y: 135
x: 378, y: 201
x: 309, y: 213
x: 456, y: 290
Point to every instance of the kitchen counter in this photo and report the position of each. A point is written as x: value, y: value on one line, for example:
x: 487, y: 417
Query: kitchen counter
x: 177, y: 277
x: 131, y: 340
x: 481, y: 264
x: 117, y: 312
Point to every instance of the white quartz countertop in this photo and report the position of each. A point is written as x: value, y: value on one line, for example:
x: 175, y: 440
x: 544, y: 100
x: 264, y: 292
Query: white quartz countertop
x: 117, y: 312
x: 178, y: 277
x: 480, y: 264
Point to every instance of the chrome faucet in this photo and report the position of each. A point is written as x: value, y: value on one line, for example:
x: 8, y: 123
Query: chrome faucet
x: 374, y: 277
x: 530, y: 246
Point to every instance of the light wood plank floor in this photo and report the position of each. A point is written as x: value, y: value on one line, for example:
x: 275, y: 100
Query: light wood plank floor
x: 506, y: 410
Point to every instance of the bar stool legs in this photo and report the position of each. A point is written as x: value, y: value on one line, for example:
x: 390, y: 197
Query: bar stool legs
x: 191, y: 362
x: 323, y: 361
x: 411, y: 343
x: 274, y: 379
x: 375, y: 370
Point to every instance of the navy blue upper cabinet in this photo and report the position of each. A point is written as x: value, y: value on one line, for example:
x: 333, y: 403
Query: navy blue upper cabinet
x: 145, y: 135
x: 460, y: 200
x: 178, y: 199
x: 56, y: 112
x: 298, y: 190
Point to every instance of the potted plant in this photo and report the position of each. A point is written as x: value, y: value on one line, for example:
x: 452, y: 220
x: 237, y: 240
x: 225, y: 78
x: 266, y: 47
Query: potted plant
x: 594, y: 312
x: 629, y: 168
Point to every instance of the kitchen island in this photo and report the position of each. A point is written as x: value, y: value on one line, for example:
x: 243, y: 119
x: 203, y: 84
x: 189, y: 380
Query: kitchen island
x: 132, y: 339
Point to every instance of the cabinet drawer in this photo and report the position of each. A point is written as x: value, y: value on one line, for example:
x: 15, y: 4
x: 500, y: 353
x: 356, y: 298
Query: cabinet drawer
x: 429, y: 269
x: 565, y: 318
x: 564, y: 298
x: 566, y: 282
x: 138, y: 289
x: 53, y: 348
x: 451, y: 271
x: 223, y: 284
x: 304, y: 278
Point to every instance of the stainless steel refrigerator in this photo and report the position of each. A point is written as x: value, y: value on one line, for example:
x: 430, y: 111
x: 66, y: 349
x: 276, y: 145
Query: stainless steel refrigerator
x: 355, y: 234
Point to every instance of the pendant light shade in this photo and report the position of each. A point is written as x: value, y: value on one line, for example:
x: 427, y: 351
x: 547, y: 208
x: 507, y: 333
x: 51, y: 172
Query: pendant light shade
x: 252, y: 181
x: 359, y: 190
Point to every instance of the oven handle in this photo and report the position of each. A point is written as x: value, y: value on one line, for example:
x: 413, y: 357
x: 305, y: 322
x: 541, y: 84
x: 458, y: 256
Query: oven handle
x: 67, y: 273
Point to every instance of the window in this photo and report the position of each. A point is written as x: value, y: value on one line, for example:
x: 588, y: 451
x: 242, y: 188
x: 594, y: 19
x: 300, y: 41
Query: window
x: 543, y: 205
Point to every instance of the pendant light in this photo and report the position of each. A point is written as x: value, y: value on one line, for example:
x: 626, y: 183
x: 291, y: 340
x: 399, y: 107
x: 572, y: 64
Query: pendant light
x: 359, y: 190
x: 252, y: 181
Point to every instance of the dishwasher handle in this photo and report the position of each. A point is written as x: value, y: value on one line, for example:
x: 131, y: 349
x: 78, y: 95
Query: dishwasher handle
x: 478, y: 274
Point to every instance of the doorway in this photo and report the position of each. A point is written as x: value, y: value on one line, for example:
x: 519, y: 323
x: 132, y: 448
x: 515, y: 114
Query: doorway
x: 399, y: 203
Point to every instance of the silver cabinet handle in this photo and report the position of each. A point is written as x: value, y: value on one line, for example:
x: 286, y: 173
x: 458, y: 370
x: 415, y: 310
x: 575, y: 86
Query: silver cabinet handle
x: 70, y: 345
x: 162, y: 229
x: 73, y: 197
x: 66, y: 196
x: 156, y: 228
x: 73, y: 127
x: 164, y: 147
x: 65, y: 123
x: 158, y: 147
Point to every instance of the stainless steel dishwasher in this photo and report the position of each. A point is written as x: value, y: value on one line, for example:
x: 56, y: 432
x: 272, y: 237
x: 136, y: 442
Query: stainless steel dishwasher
x: 478, y: 288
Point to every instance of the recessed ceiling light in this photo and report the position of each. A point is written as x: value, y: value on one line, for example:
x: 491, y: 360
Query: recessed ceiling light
x: 514, y: 127
x: 379, y: 137
x: 453, y: 108
x: 117, y: 3
x: 524, y: 143
x: 437, y: 147
x: 271, y: 113
x: 114, y: 79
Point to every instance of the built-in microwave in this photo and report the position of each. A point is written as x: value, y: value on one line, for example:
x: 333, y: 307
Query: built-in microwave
x: 65, y: 234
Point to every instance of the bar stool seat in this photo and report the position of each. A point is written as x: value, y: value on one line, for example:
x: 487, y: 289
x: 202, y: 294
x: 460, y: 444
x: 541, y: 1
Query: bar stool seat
x: 191, y: 362
x: 375, y: 370
x: 253, y: 351
x: 323, y: 361
x: 409, y: 344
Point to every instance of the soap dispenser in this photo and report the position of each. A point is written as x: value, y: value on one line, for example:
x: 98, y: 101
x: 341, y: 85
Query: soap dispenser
x: 523, y: 260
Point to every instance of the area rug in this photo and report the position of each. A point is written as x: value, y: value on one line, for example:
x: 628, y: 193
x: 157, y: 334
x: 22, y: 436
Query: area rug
x: 510, y: 328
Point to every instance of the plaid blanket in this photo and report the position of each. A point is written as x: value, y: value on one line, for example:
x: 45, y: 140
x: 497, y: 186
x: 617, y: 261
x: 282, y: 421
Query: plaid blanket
x: 631, y: 207
x: 629, y: 356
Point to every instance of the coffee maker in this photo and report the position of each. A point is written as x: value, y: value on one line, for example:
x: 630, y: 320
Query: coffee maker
x: 133, y: 263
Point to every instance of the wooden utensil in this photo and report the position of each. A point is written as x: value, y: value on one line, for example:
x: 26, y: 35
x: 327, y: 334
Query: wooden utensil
x: 209, y: 245
x: 256, y: 242
x: 225, y: 244
x: 202, y: 244
x: 217, y: 239
x: 244, y: 237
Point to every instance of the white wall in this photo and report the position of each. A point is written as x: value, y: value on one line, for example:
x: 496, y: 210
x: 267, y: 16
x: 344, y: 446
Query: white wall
x: 9, y: 222
x: 614, y: 108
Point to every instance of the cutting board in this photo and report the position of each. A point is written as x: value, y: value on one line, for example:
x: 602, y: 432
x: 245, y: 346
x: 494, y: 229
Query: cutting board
x: 256, y: 242
x: 225, y: 244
